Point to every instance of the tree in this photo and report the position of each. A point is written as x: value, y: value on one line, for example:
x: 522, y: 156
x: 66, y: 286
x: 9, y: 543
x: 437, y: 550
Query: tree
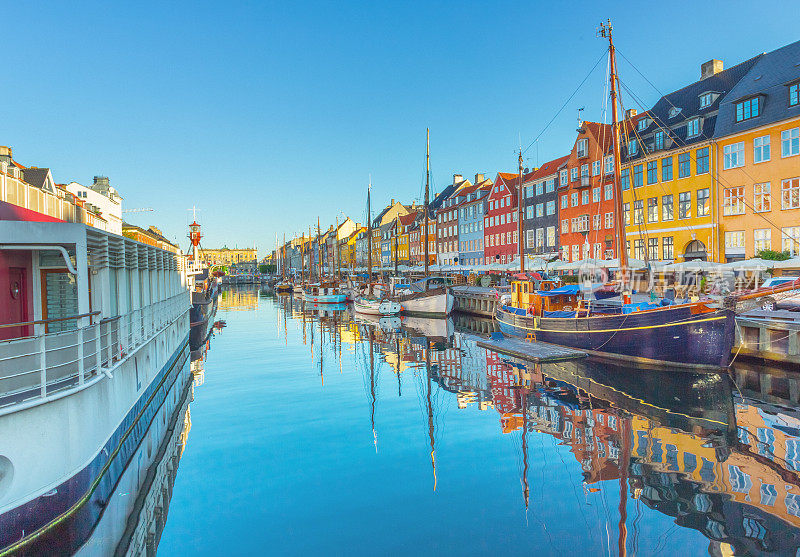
x: 265, y: 269
x: 770, y: 255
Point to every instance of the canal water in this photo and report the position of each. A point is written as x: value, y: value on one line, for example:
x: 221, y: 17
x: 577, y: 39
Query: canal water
x: 314, y: 431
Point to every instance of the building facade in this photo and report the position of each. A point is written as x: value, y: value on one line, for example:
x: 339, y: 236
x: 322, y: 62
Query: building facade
x: 472, y: 211
x: 447, y: 221
x: 757, y: 138
x: 500, y: 223
x: 541, y: 208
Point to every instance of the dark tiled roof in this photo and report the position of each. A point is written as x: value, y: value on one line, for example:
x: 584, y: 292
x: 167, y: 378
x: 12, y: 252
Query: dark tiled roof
x: 687, y: 100
x: 35, y: 176
x: 548, y: 168
x: 769, y: 76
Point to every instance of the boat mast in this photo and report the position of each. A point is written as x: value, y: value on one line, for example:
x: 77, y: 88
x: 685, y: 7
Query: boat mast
x: 396, y: 235
x: 430, y: 407
x: 369, y: 241
x: 336, y: 250
x: 302, y: 258
x: 520, y: 237
x: 319, y: 249
x: 622, y: 250
x: 372, y: 385
x: 427, y: 185
x: 283, y: 265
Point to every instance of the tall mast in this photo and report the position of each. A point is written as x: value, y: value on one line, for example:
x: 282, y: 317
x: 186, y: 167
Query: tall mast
x: 520, y: 237
x: 396, y: 246
x: 319, y: 249
x: 372, y: 385
x: 622, y: 251
x: 283, y: 265
x: 302, y: 258
x: 369, y: 240
x: 427, y: 185
x: 336, y: 249
x: 430, y: 408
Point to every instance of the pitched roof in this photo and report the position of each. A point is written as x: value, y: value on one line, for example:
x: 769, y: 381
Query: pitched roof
x: 769, y: 76
x: 35, y: 176
x: 408, y: 219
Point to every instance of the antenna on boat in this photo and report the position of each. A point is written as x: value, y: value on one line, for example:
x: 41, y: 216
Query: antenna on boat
x: 520, y: 236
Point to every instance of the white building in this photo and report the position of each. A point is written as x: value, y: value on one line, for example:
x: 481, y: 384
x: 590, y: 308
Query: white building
x: 101, y: 197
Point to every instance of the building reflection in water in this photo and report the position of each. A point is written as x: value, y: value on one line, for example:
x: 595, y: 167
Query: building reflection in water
x: 719, y: 456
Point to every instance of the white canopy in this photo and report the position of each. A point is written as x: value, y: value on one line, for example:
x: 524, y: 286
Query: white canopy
x: 690, y: 266
x: 793, y: 263
x: 755, y: 264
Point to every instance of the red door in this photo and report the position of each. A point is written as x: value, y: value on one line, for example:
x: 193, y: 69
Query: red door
x: 16, y: 301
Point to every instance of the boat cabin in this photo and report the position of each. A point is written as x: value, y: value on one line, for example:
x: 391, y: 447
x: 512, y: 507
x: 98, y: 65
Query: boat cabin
x: 327, y: 288
x: 545, y: 296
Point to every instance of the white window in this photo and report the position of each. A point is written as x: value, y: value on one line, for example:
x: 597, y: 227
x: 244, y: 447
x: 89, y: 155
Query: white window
x: 609, y: 164
x: 790, y: 193
x: 734, y: 239
x: 582, y: 147
x: 733, y: 155
x: 551, y: 236
x: 564, y: 226
x: 761, y: 149
x: 574, y: 199
x: 598, y: 254
x: 585, y: 197
x: 576, y: 252
x: 564, y: 178
x: 733, y: 201
x: 609, y: 220
x: 763, y: 239
x: 596, y: 195
x: 539, y: 210
x: 529, y: 238
x: 585, y: 170
x: 633, y: 147
x: 551, y: 207
x: 643, y: 123
x: 596, y: 221
x: 790, y: 240
x: 564, y: 202
x: 705, y: 100
x: 790, y: 142
x: 574, y: 173
x: 609, y: 191
x: 596, y: 167
x: 762, y: 201
x: 674, y: 111
x: 539, y: 237
x: 540, y: 188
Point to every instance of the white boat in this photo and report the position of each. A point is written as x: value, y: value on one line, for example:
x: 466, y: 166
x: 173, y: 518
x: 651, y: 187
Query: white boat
x: 375, y: 306
x: 429, y: 296
x: 432, y: 328
x: 94, y: 362
x: 298, y: 289
x: 325, y: 293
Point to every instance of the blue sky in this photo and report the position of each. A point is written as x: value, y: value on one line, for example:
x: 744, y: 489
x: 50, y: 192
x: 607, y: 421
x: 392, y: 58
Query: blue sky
x: 268, y: 114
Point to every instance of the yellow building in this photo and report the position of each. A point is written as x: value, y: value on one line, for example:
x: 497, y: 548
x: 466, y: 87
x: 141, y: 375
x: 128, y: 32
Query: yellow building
x: 227, y: 256
x: 758, y: 148
x: 671, y: 203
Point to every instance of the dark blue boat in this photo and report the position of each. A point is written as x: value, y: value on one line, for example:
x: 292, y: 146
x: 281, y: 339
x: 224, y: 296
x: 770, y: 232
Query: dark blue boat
x: 691, y: 336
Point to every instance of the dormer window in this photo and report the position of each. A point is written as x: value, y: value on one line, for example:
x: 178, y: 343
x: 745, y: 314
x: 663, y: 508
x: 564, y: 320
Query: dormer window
x: 706, y: 99
x: 748, y: 108
x: 643, y: 123
x: 633, y: 147
x: 693, y: 127
x: 674, y: 111
x: 794, y: 94
x: 658, y: 140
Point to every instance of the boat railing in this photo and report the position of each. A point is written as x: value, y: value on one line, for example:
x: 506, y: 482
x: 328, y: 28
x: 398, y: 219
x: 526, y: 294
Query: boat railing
x: 37, y: 367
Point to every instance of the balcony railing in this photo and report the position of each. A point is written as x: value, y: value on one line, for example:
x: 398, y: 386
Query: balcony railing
x: 40, y: 366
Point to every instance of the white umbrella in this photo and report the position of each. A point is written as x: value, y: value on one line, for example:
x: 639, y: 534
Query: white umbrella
x: 690, y: 266
x: 755, y: 264
x: 793, y: 263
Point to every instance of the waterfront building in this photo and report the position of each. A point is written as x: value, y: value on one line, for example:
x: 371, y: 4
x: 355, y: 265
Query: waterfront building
x: 228, y: 256
x: 757, y: 138
x: 471, y: 212
x: 102, y: 199
x: 361, y: 247
x: 541, y: 208
x: 500, y: 222
x: 405, y: 222
x: 386, y: 234
x: 670, y: 199
x: 447, y: 220
x: 416, y: 233
x: 586, y: 195
x: 151, y: 236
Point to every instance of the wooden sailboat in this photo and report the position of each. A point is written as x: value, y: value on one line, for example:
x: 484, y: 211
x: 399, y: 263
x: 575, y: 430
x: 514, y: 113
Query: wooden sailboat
x: 369, y: 304
x: 326, y: 291
x: 431, y: 295
x: 693, y: 336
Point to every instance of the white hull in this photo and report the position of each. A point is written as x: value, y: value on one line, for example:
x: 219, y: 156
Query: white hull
x: 376, y: 307
x: 430, y: 327
x: 437, y: 304
x: 325, y: 298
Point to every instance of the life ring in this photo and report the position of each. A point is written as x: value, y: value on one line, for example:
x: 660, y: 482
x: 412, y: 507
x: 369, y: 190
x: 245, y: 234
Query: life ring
x: 530, y: 309
x: 567, y: 308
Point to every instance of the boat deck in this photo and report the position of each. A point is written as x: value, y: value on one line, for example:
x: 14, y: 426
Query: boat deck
x: 531, y: 350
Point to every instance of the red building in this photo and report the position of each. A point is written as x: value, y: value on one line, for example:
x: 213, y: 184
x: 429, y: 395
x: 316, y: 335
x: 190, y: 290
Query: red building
x: 586, y: 194
x: 500, y: 227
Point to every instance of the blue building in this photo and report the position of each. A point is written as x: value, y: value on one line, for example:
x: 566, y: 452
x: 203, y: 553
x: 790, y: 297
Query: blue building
x: 470, y: 222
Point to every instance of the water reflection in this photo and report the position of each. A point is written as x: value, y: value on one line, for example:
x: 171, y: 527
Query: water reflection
x: 719, y: 457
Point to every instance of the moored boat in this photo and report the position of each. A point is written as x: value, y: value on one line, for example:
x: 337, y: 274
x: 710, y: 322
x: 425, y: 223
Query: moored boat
x: 429, y: 296
x: 376, y: 306
x: 324, y: 293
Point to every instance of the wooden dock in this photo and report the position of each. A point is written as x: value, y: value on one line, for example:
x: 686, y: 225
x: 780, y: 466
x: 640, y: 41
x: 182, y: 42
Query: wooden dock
x: 531, y: 351
x: 475, y: 300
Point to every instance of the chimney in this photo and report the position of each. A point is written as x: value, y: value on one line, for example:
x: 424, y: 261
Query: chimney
x: 457, y: 178
x: 393, y: 201
x: 5, y: 154
x: 479, y: 178
x: 630, y: 113
x: 710, y: 68
x: 100, y: 181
